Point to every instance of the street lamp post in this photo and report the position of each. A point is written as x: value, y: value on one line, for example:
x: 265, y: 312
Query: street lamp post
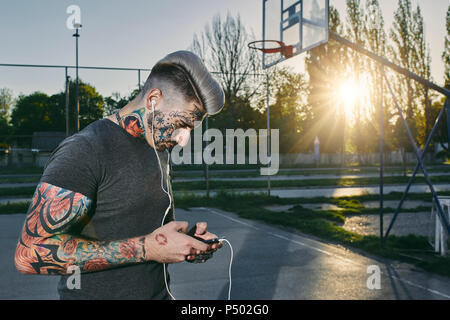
x: 67, y: 103
x: 77, y: 108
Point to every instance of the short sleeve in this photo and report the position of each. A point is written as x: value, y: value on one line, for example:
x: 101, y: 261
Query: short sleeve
x: 74, y: 166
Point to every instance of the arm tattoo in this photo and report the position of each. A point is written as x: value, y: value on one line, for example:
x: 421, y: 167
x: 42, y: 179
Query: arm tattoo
x: 48, y: 244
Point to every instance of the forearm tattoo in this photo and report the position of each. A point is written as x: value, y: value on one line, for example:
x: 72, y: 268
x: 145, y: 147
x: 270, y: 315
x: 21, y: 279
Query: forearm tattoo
x: 48, y: 243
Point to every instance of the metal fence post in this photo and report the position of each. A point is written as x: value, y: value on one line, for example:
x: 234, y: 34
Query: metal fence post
x: 268, y: 130
x: 67, y: 103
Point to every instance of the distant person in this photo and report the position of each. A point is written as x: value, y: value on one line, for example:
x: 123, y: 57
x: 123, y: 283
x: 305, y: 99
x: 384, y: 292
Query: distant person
x: 105, y: 192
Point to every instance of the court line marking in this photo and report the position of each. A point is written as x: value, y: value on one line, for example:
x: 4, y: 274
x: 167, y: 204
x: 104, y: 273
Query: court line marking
x: 326, y: 252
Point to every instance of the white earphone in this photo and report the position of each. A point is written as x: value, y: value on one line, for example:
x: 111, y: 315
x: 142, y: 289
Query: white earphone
x: 164, y: 190
x: 170, y: 205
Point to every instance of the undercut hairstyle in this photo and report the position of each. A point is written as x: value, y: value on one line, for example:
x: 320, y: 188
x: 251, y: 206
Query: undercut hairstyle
x: 174, y: 84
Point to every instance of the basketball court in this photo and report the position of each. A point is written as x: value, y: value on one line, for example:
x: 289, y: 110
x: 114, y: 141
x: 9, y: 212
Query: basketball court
x: 294, y: 27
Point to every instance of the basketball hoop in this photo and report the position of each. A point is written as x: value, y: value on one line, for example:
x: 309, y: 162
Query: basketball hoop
x: 272, y: 46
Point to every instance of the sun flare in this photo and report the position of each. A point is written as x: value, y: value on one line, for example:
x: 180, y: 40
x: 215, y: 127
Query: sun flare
x: 350, y: 94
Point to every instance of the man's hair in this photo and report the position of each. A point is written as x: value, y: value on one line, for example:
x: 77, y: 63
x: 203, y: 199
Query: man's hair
x: 173, y: 82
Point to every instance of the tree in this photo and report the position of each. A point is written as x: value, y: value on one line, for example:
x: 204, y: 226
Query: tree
x: 402, y: 53
x: 288, y: 109
x: 422, y: 67
x: 441, y: 136
x: 39, y: 112
x: 326, y: 66
x: 116, y: 101
x: 375, y: 39
x: 31, y: 113
x: 6, y: 102
x: 446, y: 53
x: 354, y: 31
x: 223, y: 48
x: 403, y: 49
x: 91, y: 107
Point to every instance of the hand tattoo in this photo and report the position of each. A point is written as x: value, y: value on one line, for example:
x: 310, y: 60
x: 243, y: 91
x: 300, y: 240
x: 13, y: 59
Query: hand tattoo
x: 161, y: 239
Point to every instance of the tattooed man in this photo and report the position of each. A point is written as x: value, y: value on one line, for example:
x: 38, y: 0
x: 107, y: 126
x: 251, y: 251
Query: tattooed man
x: 99, y: 205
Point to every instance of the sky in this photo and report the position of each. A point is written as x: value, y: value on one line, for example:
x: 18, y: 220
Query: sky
x: 136, y: 34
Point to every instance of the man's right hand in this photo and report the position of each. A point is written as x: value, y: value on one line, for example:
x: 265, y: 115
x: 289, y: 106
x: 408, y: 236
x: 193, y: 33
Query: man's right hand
x: 170, y: 244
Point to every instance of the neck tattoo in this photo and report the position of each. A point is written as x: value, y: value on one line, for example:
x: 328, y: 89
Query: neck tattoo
x: 133, y: 123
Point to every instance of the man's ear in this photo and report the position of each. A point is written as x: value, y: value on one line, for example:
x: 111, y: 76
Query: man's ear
x: 153, y: 99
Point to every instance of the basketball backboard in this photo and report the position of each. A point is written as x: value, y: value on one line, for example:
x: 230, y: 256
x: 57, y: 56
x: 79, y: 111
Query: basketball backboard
x: 302, y: 24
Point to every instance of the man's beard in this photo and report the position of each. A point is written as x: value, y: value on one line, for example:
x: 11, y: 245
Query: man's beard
x: 165, y: 145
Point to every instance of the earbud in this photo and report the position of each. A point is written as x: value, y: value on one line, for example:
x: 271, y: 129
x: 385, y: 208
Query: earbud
x: 153, y: 105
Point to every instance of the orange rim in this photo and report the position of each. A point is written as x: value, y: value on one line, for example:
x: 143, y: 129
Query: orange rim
x: 287, y: 51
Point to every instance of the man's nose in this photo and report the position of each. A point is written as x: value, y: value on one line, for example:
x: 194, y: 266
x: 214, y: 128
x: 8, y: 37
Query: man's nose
x: 181, y: 136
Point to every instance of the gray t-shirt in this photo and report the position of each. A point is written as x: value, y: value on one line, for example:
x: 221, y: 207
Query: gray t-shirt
x: 121, y: 175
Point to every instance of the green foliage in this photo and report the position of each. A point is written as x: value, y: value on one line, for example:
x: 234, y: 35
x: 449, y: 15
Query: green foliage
x: 13, y: 208
x: 39, y: 112
x: 91, y: 104
x: 289, y: 111
x: 326, y: 66
x: 31, y: 113
x: 5, y: 132
x: 116, y: 101
x: 446, y: 53
x: 6, y: 102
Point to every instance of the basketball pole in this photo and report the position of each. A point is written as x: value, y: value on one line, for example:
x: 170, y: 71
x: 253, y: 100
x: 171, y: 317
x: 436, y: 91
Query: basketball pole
x: 267, y: 100
x: 387, y: 63
x: 381, y: 102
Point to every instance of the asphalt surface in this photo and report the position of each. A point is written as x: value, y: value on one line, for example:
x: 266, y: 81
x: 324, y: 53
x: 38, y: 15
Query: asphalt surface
x: 269, y: 263
x: 14, y: 285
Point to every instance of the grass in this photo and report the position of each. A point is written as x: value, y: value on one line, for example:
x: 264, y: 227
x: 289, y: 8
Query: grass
x: 350, y: 205
x: 346, y: 182
x: 333, y: 170
x: 301, y: 166
x: 17, y: 191
x: 20, y: 180
x: 256, y: 173
x: 12, y: 208
x: 25, y: 170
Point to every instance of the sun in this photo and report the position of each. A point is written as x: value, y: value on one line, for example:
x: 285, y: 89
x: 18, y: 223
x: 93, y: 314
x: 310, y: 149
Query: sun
x: 350, y: 93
